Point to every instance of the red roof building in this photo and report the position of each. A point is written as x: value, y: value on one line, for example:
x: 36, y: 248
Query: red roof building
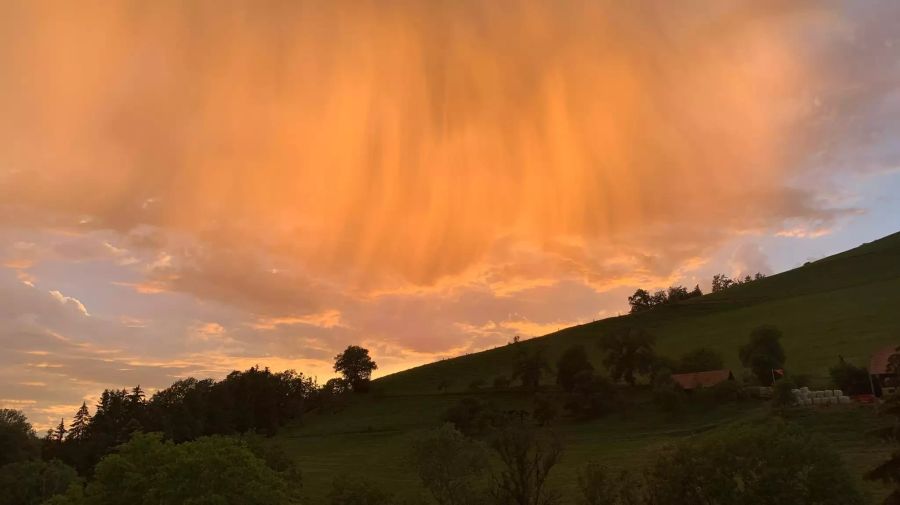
x: 689, y: 381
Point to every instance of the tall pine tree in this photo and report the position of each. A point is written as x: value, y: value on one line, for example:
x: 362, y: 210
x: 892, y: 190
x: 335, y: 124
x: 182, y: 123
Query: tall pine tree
x: 81, y: 421
x: 59, y: 434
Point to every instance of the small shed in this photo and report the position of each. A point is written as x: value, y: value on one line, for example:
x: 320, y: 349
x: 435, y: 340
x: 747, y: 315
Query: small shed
x: 690, y: 381
x: 883, y: 371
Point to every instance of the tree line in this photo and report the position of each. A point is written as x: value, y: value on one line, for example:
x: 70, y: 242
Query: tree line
x: 643, y: 299
x: 203, y: 422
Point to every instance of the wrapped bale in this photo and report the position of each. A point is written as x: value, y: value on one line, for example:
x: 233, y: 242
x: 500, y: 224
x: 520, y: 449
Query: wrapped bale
x: 828, y: 393
x: 838, y: 393
x: 845, y: 399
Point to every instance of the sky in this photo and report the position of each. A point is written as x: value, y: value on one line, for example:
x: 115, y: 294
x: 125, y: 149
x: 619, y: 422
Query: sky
x: 188, y: 188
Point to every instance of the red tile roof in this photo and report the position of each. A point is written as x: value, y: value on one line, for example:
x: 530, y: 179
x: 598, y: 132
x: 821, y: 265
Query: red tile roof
x: 704, y: 379
x: 880, y: 360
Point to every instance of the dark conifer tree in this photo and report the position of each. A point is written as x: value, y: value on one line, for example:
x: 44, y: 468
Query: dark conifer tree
x: 59, y: 434
x: 81, y: 421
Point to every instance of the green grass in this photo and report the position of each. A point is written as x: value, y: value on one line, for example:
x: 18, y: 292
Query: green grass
x: 845, y: 305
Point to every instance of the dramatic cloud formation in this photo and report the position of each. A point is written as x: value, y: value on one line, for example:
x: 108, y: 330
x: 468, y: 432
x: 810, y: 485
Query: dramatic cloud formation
x: 275, y: 180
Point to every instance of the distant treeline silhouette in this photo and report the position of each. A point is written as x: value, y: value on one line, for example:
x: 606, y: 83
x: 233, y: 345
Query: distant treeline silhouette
x: 643, y: 300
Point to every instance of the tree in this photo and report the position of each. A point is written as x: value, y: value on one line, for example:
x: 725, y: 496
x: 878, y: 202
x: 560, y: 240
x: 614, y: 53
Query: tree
x: 545, y: 410
x: 32, y: 482
x: 763, y: 353
x: 628, y: 353
x: 80, y: 422
x: 357, y: 491
x: 597, y: 487
x: 721, y: 282
x: 210, y: 470
x: 570, y: 364
x: 592, y: 396
x: 852, y: 380
x: 750, y: 464
x: 639, y: 301
x: 18, y: 441
x: 701, y: 360
x: 658, y: 298
x: 59, y: 434
x: 474, y: 417
x: 527, y: 456
x: 356, y: 366
x: 450, y: 466
x: 783, y: 394
x: 529, y: 368
x: 888, y: 472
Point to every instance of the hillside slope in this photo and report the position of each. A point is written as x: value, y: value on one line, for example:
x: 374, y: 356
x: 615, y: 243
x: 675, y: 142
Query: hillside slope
x: 846, y: 305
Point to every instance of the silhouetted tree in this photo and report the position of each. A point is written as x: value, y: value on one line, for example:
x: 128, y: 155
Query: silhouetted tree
x: 450, y: 466
x: 628, y: 353
x: 356, y: 366
x: 527, y: 455
x: 640, y: 301
x: 529, y: 367
x: 18, y: 441
x: 570, y: 364
x: 763, y: 353
x: 79, y: 427
x: 59, y: 434
x: 591, y: 396
x: 853, y: 380
x: 34, y: 481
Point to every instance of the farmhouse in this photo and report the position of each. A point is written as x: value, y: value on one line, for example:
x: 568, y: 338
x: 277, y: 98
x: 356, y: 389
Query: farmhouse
x: 883, y: 370
x: 690, y: 381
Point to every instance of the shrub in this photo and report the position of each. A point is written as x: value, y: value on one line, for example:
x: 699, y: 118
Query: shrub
x: 592, y: 396
x: 32, y: 482
x: 546, y: 409
x: 596, y: 487
x: 782, y: 394
x: 749, y: 464
x: 474, y: 417
x: 526, y: 458
x: 570, y: 364
x: 450, y: 466
x: 357, y: 491
x: 853, y: 380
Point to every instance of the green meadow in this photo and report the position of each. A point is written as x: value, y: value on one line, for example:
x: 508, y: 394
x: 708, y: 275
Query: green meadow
x: 845, y: 305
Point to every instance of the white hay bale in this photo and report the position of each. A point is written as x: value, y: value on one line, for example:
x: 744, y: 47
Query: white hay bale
x: 845, y: 399
x: 805, y: 389
x: 838, y: 393
x: 828, y: 393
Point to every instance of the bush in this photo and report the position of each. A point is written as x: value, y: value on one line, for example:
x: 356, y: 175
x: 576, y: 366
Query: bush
x: 357, y: 491
x: 782, y: 393
x: 546, y: 409
x: 208, y: 470
x: 450, y: 466
x: 592, y: 396
x: 526, y: 458
x: 597, y: 488
x: 852, y: 380
x: 33, y: 482
x: 669, y: 398
x: 474, y: 417
x: 570, y: 364
x: 750, y: 464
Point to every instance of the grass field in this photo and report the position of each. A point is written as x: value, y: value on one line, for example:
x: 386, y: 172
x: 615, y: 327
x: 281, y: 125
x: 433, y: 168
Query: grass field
x: 848, y: 305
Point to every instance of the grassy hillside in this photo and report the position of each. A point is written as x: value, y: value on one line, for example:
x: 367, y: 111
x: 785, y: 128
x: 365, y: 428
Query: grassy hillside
x: 842, y: 305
